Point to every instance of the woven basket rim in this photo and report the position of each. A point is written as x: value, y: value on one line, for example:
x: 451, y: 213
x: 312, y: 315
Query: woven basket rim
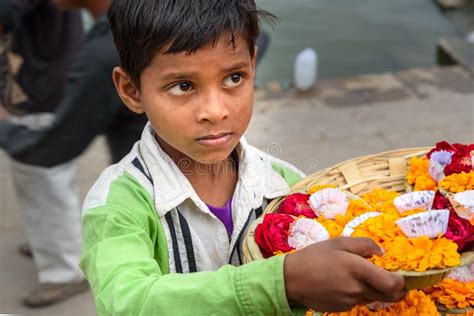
x: 412, y: 152
x: 442, y: 308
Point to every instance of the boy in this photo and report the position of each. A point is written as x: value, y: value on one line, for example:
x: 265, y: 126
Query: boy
x: 163, y: 228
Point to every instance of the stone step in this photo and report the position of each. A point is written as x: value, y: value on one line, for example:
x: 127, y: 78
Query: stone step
x: 375, y: 88
x: 456, y: 51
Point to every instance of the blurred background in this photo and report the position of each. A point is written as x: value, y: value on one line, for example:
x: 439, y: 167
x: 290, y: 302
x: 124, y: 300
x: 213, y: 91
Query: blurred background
x: 361, y: 37
x: 390, y: 74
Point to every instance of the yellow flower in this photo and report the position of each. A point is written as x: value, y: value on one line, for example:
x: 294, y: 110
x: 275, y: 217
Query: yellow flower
x: 379, y: 196
x: 418, y: 254
x: 380, y: 229
x: 381, y: 200
x: 319, y: 187
x: 333, y: 227
x: 458, y: 182
x: 415, y: 303
x: 418, y: 174
x: 356, y: 208
x: 452, y: 293
x: 279, y: 252
x: 425, y: 182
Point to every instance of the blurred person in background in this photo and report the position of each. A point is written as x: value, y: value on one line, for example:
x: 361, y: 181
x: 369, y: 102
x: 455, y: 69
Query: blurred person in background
x: 39, y: 44
x: 43, y: 154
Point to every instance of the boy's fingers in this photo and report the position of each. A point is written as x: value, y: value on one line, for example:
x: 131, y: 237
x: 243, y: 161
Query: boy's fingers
x: 364, y: 247
x: 374, y: 296
x: 389, y: 284
x: 371, y: 295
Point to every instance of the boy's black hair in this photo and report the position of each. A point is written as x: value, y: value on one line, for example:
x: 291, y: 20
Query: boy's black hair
x: 141, y: 28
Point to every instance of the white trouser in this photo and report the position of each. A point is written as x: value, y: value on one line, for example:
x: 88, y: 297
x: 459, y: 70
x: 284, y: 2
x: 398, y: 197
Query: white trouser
x: 50, y: 202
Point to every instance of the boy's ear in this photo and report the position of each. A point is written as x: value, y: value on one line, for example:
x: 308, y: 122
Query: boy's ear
x: 127, y: 90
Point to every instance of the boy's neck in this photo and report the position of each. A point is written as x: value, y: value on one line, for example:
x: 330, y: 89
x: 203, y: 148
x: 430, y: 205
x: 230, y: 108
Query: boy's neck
x: 207, y: 172
x: 213, y: 183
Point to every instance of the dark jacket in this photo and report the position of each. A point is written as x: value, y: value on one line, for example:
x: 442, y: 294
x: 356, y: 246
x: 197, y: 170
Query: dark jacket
x: 90, y: 107
x: 46, y: 40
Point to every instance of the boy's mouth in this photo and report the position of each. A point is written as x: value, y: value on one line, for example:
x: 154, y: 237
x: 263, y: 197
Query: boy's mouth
x: 215, y: 140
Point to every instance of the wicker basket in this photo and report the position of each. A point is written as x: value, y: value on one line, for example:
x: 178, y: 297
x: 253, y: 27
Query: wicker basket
x: 386, y: 170
x: 420, y: 280
x: 455, y: 311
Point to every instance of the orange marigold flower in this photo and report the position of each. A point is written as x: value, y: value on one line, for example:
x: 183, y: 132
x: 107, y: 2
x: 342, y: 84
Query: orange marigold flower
x: 452, y: 293
x: 425, y: 182
x: 415, y: 303
x: 458, y: 182
x: 381, y: 200
x: 381, y: 229
x: 418, y: 254
x: 418, y: 174
x: 379, y: 196
x: 417, y: 167
x: 356, y: 208
x: 279, y: 252
x: 333, y: 227
x: 319, y: 187
x: 309, y: 312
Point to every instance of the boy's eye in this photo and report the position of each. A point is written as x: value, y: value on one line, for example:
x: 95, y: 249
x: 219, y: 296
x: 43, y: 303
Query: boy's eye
x: 181, y: 88
x: 233, y: 80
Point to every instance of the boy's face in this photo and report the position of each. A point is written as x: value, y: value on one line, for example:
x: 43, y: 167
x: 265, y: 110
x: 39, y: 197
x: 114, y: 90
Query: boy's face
x: 199, y: 104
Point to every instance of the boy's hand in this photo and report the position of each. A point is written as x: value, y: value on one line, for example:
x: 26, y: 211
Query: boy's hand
x: 334, y: 275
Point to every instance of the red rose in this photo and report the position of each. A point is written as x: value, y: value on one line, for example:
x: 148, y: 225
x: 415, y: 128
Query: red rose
x: 460, y: 149
x: 459, y: 231
x: 444, y: 145
x: 296, y: 204
x: 461, y: 159
x: 458, y: 164
x: 272, y: 234
x: 441, y: 203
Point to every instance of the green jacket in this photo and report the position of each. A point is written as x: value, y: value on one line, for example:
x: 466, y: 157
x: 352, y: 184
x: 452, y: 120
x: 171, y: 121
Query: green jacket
x: 152, y: 247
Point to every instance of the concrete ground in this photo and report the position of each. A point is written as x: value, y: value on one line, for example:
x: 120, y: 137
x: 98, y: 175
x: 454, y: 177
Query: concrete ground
x: 341, y: 119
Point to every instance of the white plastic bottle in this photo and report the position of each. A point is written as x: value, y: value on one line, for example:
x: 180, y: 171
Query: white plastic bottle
x: 306, y: 69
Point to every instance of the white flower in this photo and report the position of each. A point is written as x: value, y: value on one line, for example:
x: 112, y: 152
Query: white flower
x: 305, y: 232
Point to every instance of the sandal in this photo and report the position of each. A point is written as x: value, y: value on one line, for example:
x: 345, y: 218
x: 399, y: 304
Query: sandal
x: 50, y: 293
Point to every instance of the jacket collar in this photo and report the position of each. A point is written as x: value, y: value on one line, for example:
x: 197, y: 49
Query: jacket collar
x: 257, y: 179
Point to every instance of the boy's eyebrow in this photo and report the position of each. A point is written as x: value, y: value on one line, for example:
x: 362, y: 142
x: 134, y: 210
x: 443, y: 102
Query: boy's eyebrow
x: 237, y: 66
x: 178, y: 76
x: 187, y: 75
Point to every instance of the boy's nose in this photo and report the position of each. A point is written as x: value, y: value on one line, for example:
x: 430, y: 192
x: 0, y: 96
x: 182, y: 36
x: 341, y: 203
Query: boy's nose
x: 213, y: 107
